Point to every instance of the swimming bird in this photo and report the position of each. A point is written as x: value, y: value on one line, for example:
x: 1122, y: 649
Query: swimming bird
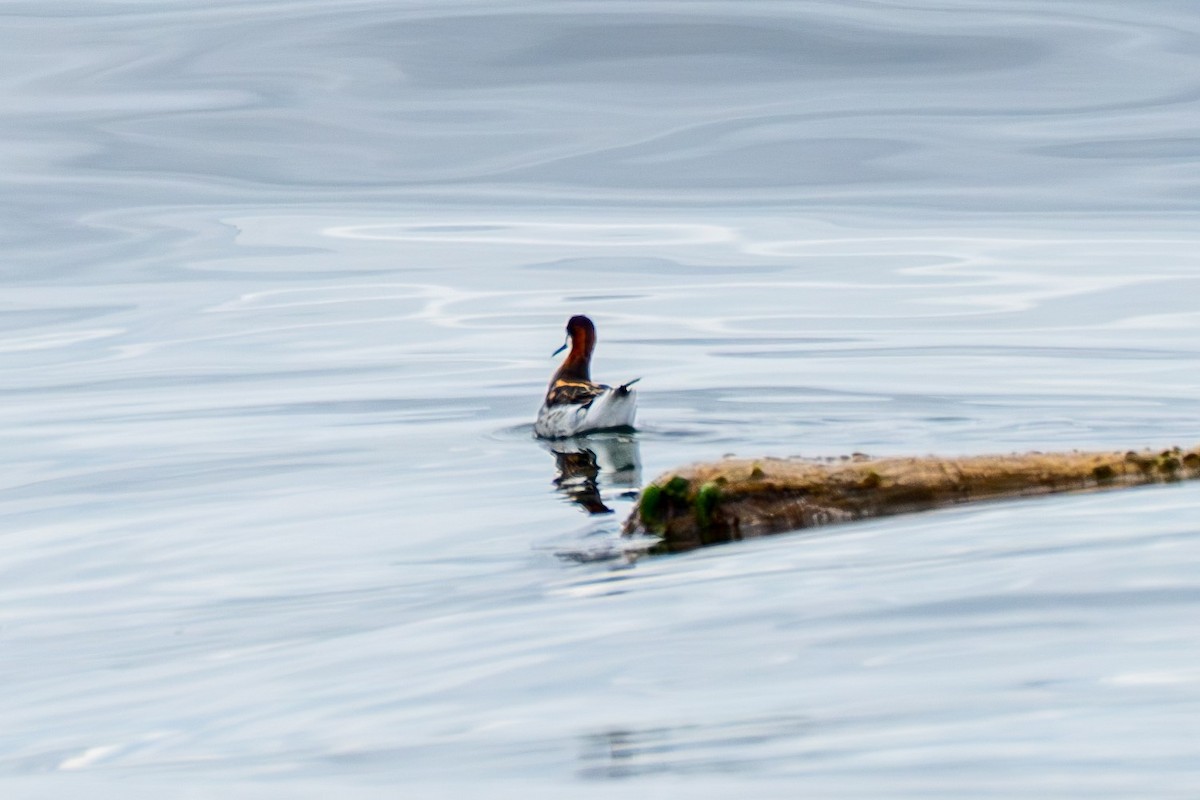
x: 574, y: 404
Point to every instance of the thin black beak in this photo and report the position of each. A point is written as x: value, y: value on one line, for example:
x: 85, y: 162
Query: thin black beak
x: 559, y: 350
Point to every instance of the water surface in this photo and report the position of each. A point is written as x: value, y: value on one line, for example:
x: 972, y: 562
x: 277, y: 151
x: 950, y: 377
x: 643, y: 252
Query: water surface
x: 281, y: 280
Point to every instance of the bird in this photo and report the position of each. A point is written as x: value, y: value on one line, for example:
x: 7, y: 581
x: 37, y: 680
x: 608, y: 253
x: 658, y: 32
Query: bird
x: 574, y: 404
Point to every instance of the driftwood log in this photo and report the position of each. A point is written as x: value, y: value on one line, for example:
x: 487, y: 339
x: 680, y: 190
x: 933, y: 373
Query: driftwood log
x: 733, y: 499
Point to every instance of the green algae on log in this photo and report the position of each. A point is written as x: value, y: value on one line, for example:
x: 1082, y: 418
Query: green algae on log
x: 732, y: 499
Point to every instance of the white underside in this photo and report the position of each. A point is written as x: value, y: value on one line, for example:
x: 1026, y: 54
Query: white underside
x: 609, y: 410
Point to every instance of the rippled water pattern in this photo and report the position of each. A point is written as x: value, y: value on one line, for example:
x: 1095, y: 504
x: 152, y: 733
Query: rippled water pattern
x: 280, y: 283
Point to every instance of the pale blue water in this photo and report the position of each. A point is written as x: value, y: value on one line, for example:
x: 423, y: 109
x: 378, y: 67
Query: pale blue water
x: 280, y: 283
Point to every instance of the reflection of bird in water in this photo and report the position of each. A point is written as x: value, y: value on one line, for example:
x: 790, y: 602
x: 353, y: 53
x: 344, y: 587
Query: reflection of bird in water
x: 574, y: 403
x: 577, y: 479
x: 582, y: 463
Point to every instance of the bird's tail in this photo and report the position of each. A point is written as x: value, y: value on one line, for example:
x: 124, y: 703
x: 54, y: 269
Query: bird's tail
x: 623, y: 389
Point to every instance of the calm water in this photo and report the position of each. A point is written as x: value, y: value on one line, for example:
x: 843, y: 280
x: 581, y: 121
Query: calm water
x: 280, y: 285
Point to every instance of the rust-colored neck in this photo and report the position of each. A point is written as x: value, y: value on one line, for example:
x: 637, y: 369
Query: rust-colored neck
x: 577, y: 366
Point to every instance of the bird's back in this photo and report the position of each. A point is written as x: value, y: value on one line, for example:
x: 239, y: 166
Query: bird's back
x: 569, y: 413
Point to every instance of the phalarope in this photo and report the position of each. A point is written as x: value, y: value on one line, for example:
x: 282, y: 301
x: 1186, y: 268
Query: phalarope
x: 574, y: 404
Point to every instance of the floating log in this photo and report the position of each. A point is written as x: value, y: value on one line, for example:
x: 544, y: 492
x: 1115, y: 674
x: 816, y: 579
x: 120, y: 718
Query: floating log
x: 733, y: 499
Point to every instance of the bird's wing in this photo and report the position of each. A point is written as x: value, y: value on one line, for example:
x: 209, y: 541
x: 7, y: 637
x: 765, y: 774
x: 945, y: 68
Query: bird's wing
x: 573, y: 393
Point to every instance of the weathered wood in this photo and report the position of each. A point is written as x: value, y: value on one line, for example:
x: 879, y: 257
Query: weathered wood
x: 734, y: 499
